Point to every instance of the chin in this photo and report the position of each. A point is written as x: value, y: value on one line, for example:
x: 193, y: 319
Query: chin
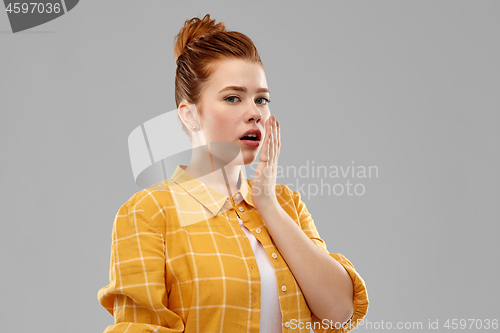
x: 249, y: 156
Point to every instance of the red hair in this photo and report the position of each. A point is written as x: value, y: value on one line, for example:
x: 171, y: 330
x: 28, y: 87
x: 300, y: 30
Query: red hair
x: 199, y: 45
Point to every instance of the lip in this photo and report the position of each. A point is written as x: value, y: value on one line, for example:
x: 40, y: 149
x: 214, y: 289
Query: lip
x: 252, y: 143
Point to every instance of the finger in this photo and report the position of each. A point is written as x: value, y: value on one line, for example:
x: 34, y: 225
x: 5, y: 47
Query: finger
x: 275, y: 154
x: 272, y: 141
x: 264, y: 154
x: 279, y: 137
x: 275, y: 144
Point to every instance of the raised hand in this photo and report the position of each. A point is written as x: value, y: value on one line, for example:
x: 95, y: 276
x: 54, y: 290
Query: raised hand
x: 264, y: 183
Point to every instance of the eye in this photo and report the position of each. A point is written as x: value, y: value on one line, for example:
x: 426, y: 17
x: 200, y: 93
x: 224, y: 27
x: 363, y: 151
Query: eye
x: 229, y: 98
x: 267, y: 100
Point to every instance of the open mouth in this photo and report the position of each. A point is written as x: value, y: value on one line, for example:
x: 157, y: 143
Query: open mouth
x: 251, y: 138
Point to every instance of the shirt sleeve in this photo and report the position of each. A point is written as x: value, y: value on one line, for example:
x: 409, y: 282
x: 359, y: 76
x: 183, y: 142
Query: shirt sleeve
x: 360, y: 299
x: 136, y: 295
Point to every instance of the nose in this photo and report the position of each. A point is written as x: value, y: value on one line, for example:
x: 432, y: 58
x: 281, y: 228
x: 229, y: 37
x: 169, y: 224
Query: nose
x: 254, y: 114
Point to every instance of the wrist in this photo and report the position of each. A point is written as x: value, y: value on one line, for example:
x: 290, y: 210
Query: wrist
x: 268, y: 206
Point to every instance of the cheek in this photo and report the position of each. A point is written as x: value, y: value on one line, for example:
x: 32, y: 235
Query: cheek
x: 223, y: 126
x: 220, y: 118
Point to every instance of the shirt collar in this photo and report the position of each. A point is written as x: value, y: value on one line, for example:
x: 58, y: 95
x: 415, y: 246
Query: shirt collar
x: 211, y: 199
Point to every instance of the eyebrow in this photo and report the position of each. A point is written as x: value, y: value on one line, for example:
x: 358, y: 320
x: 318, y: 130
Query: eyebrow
x: 238, y: 88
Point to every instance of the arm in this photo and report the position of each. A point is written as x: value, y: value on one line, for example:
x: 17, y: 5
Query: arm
x: 334, y: 291
x: 326, y: 285
x: 332, y: 288
x: 136, y: 295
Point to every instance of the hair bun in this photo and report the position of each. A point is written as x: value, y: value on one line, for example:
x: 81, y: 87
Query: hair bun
x: 194, y: 29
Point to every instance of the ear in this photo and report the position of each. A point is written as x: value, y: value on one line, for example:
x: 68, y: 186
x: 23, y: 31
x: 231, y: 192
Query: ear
x: 188, y: 114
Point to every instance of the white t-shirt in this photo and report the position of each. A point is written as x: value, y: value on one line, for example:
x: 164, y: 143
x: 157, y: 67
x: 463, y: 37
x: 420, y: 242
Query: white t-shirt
x: 270, y: 312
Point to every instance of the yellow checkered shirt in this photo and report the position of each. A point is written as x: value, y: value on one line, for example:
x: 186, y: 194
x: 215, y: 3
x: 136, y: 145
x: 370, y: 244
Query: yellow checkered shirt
x: 181, y: 263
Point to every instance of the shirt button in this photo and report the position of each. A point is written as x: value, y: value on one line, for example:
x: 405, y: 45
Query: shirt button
x: 274, y: 255
x: 237, y: 196
x: 258, y: 230
x: 283, y: 287
x: 241, y: 209
x: 251, y: 267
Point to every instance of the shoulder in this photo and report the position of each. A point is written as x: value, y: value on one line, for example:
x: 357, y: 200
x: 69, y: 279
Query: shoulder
x: 282, y: 189
x: 156, y: 193
x: 150, y: 202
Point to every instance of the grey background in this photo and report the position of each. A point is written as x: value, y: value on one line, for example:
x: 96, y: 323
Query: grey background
x: 409, y: 86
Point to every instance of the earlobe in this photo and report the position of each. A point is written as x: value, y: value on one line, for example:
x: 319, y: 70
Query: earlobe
x: 189, y: 116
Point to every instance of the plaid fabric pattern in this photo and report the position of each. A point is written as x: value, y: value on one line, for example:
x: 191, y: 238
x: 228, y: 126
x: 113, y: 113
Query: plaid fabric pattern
x: 181, y: 263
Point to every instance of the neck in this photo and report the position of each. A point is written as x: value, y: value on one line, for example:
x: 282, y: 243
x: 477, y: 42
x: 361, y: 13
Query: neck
x: 214, y: 172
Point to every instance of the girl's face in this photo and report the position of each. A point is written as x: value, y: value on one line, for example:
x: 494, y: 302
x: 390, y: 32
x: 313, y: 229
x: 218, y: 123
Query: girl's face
x: 234, y: 101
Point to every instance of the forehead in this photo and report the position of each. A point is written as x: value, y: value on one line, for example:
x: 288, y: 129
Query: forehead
x: 237, y: 72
